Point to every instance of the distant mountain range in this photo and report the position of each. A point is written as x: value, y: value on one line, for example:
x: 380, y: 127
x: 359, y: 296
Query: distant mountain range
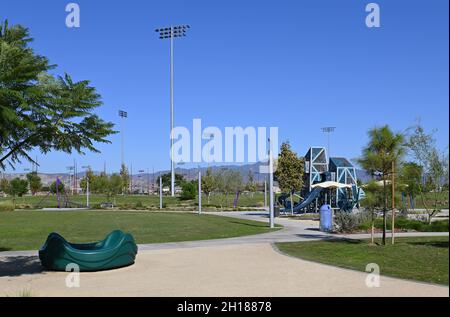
x: 141, y: 179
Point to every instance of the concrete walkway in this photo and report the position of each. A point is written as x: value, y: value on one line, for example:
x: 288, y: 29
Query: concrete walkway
x: 241, y: 266
x: 253, y: 270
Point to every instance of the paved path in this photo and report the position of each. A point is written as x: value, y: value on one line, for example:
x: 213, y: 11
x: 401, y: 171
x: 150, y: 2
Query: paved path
x: 253, y: 270
x: 242, y: 266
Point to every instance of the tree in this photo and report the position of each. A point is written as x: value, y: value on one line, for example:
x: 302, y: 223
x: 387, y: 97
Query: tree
x: 188, y: 191
x: 208, y: 183
x: 229, y: 181
x: 411, y: 176
x: 61, y: 188
x: 38, y: 110
x: 384, y: 148
x: 114, y: 185
x: 289, y: 171
x: 373, y: 202
x: 89, y: 177
x: 167, y: 179
x: 433, y: 162
x: 35, y: 182
x: 18, y: 187
x: 125, y: 178
x: 251, y: 185
x: 4, y: 185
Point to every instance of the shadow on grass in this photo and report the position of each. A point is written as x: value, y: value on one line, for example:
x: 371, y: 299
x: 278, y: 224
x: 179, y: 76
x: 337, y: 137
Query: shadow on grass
x: 20, y: 265
x: 257, y: 225
x: 436, y: 244
x: 2, y: 249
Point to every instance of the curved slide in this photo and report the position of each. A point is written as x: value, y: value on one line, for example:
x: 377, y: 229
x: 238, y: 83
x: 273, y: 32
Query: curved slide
x: 308, y: 200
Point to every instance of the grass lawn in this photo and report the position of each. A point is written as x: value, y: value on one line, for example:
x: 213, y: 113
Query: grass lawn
x: 145, y: 201
x: 422, y: 259
x: 27, y: 230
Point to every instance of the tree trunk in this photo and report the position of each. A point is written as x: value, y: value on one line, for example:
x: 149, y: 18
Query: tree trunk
x: 372, y: 230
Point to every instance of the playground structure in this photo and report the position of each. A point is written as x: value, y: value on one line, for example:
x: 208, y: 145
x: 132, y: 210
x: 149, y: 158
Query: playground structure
x: 327, y: 181
x: 61, y: 197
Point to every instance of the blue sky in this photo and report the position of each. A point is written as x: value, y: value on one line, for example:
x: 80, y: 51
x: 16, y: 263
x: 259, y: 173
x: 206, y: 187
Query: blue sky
x: 296, y: 65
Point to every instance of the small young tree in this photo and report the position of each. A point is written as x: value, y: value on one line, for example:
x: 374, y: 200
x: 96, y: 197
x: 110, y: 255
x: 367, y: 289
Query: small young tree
x: 411, y: 176
x: 61, y: 188
x: 384, y: 148
x: 4, y: 185
x: 251, y: 185
x: 114, y: 186
x: 289, y: 171
x: 433, y: 163
x: 125, y: 178
x: 208, y: 183
x: 18, y: 187
x: 35, y: 182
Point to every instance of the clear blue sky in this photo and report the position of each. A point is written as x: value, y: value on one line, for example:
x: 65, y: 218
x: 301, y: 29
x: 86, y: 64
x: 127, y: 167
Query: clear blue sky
x: 298, y: 65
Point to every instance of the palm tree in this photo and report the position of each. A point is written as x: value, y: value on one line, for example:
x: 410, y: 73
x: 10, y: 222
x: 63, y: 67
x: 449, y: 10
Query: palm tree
x: 383, y: 149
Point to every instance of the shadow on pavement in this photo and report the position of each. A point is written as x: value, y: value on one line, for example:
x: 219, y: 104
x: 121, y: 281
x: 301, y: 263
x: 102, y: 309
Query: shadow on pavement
x: 20, y: 265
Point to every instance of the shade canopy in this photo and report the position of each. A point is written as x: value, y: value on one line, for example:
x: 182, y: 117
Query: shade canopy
x: 330, y: 184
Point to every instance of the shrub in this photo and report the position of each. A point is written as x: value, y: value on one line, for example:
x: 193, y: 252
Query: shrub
x: 348, y: 222
x: 189, y: 191
x: 139, y: 204
x: 6, y: 206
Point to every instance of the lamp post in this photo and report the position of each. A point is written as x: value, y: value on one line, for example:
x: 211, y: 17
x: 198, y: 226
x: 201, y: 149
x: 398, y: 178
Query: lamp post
x: 87, y: 168
x: 122, y: 115
x: 171, y: 33
x: 199, y: 190
x: 328, y: 131
x: 70, y: 168
x: 271, y: 198
x: 141, y: 172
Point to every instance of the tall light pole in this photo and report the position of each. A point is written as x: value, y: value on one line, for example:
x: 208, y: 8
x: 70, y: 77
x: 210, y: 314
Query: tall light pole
x: 328, y: 131
x: 122, y: 115
x: 171, y: 33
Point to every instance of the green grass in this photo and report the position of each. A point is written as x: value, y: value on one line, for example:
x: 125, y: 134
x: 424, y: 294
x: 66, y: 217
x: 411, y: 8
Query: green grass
x: 130, y: 201
x: 403, y: 223
x: 27, y: 230
x: 421, y: 259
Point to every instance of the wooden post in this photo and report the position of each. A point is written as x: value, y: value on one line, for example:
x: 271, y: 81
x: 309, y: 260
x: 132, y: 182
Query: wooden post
x: 393, y: 202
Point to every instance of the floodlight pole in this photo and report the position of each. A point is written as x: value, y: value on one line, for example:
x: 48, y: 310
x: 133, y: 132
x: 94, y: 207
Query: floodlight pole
x: 172, y: 179
x: 170, y: 33
x: 122, y: 115
x: 328, y: 131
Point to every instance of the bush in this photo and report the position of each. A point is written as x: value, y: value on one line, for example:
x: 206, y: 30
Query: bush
x: 346, y: 222
x: 189, y: 191
x: 6, y: 206
x: 404, y: 223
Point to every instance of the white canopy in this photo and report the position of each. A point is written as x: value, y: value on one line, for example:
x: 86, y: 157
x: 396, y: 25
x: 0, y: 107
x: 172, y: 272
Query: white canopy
x: 330, y: 184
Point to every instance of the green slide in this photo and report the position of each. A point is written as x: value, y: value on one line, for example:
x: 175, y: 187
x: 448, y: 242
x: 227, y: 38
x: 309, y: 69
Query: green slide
x: 117, y: 250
